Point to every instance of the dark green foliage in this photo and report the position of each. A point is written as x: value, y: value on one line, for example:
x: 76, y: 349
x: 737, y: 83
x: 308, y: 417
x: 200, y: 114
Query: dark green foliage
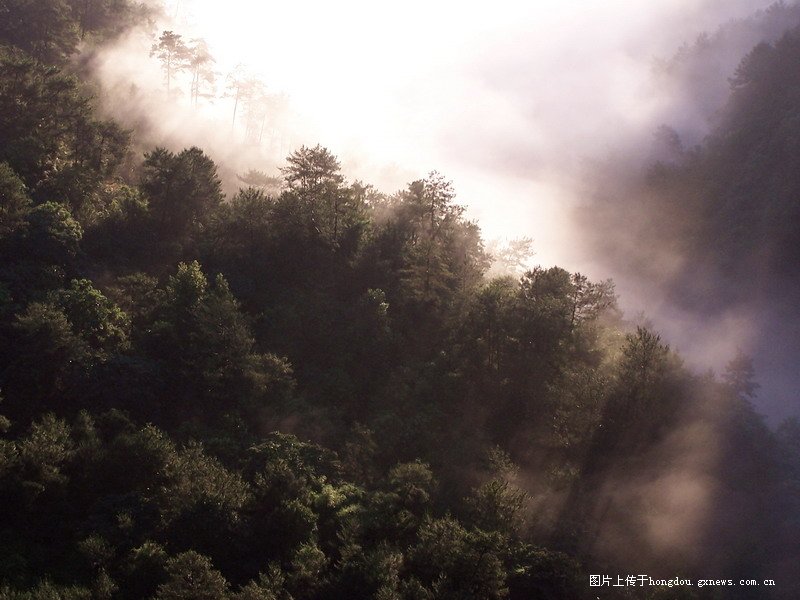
x: 317, y: 201
x: 52, y: 235
x: 47, y: 353
x: 191, y: 577
x: 98, y: 321
x: 123, y: 235
x: 205, y: 345
x: 44, y: 29
x: 182, y: 189
x: 71, y: 152
x: 456, y: 563
x: 14, y: 201
x: 177, y: 371
x: 50, y: 30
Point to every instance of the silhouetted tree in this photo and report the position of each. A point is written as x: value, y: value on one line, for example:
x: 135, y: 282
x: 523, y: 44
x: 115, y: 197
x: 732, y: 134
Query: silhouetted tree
x: 174, y: 55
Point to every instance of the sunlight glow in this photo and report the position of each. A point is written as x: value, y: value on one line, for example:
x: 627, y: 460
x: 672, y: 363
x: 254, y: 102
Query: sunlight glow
x: 479, y: 92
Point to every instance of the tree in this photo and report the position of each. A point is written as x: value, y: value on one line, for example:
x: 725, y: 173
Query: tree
x: 14, y: 201
x: 644, y: 400
x: 242, y: 86
x: 260, y: 181
x: 45, y: 450
x: 55, y: 145
x: 40, y: 253
x: 457, y: 563
x: 75, y: 329
x: 206, y: 345
x: 256, y: 105
x: 98, y: 321
x: 443, y: 255
x: 191, y: 576
x: 200, y: 64
x: 174, y: 55
x: 53, y: 236
x: 498, y: 504
x: 327, y: 209
x: 311, y: 172
x: 48, y: 351
x: 182, y: 188
x: 107, y: 18
x: 740, y: 376
x: 42, y: 28
x: 511, y: 258
x: 269, y: 586
x: 488, y: 326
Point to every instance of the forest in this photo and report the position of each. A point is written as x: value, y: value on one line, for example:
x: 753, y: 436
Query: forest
x: 311, y: 389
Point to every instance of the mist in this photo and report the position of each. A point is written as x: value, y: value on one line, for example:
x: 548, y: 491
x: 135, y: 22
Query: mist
x: 534, y: 113
x: 225, y: 353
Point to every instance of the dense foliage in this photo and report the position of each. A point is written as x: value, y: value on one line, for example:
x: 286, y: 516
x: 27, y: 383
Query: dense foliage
x: 318, y: 393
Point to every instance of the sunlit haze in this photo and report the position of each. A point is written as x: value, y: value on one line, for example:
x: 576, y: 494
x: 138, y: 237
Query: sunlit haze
x: 496, y: 98
x: 516, y: 104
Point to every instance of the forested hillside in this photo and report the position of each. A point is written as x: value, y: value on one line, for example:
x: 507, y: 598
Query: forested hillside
x: 711, y: 222
x: 311, y: 389
x: 726, y: 208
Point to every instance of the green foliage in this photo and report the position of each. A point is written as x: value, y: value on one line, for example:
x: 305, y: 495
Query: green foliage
x: 148, y: 452
x: 98, y: 321
x: 413, y: 483
x: 107, y: 19
x: 50, y: 30
x: 48, y: 351
x: 192, y: 577
x: 182, y: 189
x: 268, y: 586
x: 306, y: 570
x: 325, y: 208
x: 456, y: 563
x: 202, y: 337
x: 46, y: 590
x: 444, y: 253
x: 44, y: 29
x: 145, y: 570
x: 53, y: 236
x: 312, y: 172
x: 14, y: 201
x: 194, y: 478
x: 43, y: 454
x: 55, y: 145
x: 121, y: 233
x: 498, y: 504
x: 138, y: 296
x: 643, y: 403
x: 542, y: 573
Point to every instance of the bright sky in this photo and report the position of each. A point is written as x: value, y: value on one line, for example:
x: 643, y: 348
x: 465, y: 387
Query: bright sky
x: 498, y: 96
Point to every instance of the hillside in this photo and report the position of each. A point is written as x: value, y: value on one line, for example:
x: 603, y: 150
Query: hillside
x: 311, y: 389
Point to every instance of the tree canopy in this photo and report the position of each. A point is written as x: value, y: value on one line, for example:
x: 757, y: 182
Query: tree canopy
x: 313, y: 390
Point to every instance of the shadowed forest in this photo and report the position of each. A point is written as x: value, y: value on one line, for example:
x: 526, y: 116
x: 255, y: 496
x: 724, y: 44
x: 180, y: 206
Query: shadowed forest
x: 310, y: 389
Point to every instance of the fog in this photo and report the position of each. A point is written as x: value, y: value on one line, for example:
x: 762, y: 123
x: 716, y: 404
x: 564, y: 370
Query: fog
x: 532, y: 110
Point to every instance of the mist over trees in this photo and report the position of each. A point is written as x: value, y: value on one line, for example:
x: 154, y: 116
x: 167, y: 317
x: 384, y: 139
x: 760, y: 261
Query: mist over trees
x: 311, y: 389
x: 714, y: 219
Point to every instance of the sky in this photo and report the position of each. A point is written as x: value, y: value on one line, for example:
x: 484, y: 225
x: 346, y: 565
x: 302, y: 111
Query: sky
x: 504, y: 98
